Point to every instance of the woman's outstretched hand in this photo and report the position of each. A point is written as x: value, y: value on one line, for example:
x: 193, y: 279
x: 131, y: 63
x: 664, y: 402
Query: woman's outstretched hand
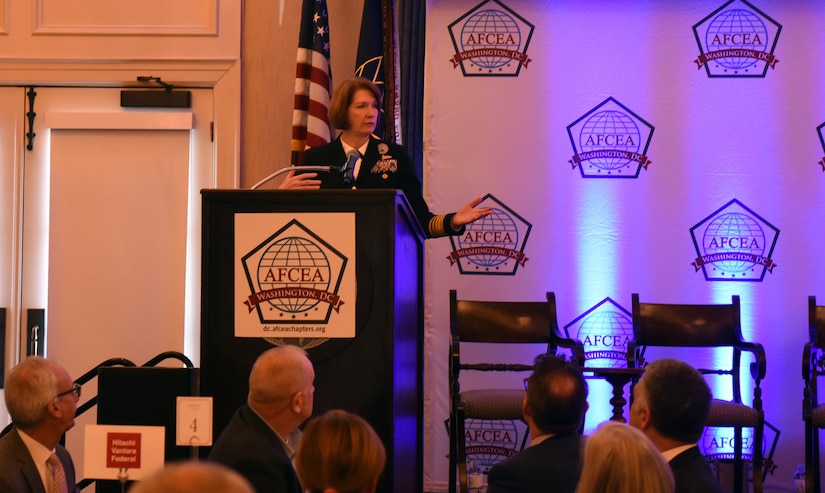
x: 469, y: 213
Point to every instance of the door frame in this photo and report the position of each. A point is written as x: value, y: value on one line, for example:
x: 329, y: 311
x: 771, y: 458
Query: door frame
x: 222, y: 76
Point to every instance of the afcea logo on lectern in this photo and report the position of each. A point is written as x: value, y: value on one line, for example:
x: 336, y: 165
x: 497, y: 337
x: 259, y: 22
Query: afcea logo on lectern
x: 737, y: 40
x: 294, y: 277
x: 734, y: 244
x: 490, y: 41
x: 610, y: 141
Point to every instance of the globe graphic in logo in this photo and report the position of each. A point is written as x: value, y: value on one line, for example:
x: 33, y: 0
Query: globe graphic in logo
x: 608, y: 130
x: 498, y: 225
x: 737, y: 22
x: 606, y: 331
x: 717, y: 443
x: 733, y: 232
x: 479, y: 449
x: 293, y: 262
x: 490, y: 29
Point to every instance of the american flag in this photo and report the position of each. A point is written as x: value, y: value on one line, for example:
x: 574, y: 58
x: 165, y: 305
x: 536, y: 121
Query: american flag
x: 313, y: 81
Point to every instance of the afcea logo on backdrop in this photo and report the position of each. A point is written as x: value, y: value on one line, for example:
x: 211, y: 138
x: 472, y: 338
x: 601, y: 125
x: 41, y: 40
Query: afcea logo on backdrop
x: 292, y: 279
x: 819, y: 131
x: 734, y: 244
x: 737, y: 40
x: 610, y: 141
x: 490, y: 41
x: 489, y: 441
x: 720, y: 444
x: 604, y: 330
x: 492, y: 245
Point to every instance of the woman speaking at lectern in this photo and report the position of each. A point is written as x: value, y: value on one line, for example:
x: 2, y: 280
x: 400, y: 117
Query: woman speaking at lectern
x: 373, y: 163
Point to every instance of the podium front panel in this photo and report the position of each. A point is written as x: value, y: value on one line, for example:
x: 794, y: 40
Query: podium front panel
x: 378, y: 374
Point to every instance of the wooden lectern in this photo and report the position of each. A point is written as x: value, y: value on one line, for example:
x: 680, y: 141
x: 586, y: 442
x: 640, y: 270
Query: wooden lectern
x: 378, y: 374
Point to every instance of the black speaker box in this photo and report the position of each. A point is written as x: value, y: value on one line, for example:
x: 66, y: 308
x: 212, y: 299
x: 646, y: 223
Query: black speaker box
x: 155, y: 99
x: 145, y: 396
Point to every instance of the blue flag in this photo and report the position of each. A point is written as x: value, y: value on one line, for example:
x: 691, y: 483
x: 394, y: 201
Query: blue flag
x: 370, y: 61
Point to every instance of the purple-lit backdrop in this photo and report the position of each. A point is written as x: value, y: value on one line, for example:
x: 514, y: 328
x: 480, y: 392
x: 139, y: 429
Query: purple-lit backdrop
x: 626, y: 151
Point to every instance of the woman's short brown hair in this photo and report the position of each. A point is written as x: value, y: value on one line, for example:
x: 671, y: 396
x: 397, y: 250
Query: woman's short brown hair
x: 342, y: 98
x: 340, y: 451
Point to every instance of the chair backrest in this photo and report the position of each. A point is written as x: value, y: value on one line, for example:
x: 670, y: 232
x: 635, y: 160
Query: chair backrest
x: 696, y: 326
x: 816, y: 323
x: 660, y: 324
x: 510, y: 322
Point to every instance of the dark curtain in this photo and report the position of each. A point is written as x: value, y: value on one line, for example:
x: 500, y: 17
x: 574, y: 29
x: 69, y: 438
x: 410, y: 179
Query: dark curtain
x: 411, y: 38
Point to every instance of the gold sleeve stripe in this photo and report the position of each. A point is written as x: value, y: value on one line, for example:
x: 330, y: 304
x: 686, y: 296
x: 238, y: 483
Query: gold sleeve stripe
x: 436, y: 226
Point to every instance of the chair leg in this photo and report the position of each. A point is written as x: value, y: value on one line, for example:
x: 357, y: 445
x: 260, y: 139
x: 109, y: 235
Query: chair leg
x: 462, y: 452
x: 758, y: 438
x: 738, y: 462
x: 815, y: 459
x: 453, y: 451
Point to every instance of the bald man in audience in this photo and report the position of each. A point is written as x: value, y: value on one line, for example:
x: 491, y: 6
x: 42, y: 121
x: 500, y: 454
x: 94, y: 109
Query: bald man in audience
x: 41, y: 400
x: 670, y: 405
x: 554, y: 408
x: 255, y: 443
x: 193, y: 477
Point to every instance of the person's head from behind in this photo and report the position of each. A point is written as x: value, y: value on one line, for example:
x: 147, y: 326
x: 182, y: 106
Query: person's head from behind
x: 281, y: 381
x: 354, y: 104
x: 619, y: 459
x: 339, y: 452
x: 40, y: 394
x: 671, y: 399
x: 193, y: 477
x: 556, y: 399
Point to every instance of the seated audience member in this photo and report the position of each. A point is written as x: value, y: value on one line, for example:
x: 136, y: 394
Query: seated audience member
x: 620, y: 459
x: 554, y: 408
x: 339, y: 453
x: 670, y: 406
x: 193, y: 477
x: 255, y: 442
x: 41, y: 400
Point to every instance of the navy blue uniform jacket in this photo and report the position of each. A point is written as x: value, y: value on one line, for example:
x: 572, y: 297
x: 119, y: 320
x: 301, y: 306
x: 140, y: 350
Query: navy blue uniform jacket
x: 249, y: 446
x: 384, y: 165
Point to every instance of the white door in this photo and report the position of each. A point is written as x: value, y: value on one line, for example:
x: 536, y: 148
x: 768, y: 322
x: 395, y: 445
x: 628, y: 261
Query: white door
x: 111, y: 228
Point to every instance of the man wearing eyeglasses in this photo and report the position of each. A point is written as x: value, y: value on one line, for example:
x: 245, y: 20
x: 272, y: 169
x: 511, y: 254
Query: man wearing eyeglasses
x: 554, y: 407
x: 256, y: 442
x: 41, y: 400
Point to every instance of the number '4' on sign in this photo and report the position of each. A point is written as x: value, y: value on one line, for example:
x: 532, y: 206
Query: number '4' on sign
x: 194, y: 421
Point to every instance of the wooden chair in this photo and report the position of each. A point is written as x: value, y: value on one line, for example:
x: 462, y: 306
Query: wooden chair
x: 499, y: 323
x: 709, y: 326
x: 813, y: 412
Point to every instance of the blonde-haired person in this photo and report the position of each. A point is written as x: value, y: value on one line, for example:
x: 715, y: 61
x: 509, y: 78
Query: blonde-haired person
x: 193, y: 477
x: 339, y: 453
x: 620, y: 459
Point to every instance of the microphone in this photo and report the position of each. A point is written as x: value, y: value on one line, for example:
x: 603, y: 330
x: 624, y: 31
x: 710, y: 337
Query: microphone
x: 349, y: 166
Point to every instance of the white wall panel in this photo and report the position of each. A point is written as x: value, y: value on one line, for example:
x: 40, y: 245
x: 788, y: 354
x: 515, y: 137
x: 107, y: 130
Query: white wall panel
x: 120, y: 30
x: 147, y: 17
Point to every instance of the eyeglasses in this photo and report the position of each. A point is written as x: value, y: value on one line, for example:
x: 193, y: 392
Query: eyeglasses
x: 526, y: 381
x: 75, y: 391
